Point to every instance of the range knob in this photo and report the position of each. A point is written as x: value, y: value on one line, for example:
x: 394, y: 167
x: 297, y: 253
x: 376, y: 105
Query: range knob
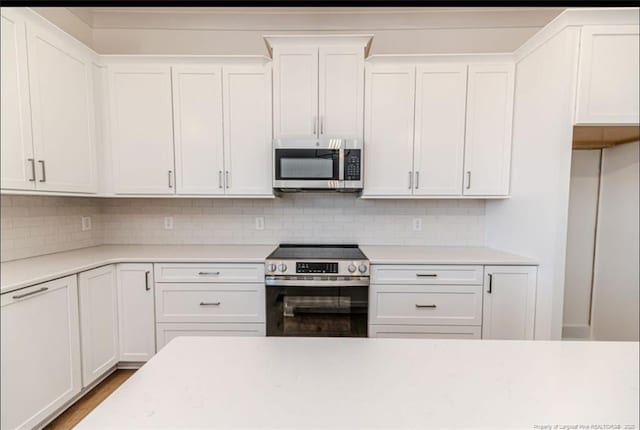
x: 282, y: 267
x: 351, y: 268
x: 270, y: 267
x: 362, y: 268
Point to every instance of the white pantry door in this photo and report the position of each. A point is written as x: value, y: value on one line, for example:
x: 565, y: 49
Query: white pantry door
x: 341, y: 86
x: 295, y: 92
x: 247, y: 130
x: 141, y: 129
x: 389, y: 107
x: 18, y: 165
x: 197, y: 113
x: 441, y: 96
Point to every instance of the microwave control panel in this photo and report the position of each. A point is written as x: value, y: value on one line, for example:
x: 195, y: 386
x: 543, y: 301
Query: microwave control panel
x: 352, y: 164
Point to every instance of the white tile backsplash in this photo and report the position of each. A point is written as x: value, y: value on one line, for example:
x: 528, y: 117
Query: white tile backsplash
x: 39, y: 225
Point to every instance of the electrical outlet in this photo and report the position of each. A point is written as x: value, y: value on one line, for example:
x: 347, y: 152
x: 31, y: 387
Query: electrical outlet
x: 417, y: 224
x: 168, y: 223
x: 86, y: 223
x: 259, y: 223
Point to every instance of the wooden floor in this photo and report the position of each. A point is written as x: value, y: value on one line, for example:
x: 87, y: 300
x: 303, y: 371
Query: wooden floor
x: 93, y: 398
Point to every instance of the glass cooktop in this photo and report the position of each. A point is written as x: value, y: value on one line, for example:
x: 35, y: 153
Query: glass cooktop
x: 312, y: 252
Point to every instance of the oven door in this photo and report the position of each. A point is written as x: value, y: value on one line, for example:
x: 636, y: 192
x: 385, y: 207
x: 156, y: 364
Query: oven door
x: 336, y: 311
x: 307, y: 168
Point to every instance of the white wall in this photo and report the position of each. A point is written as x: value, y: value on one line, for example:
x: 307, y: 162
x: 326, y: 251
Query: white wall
x: 581, y: 233
x: 533, y: 222
x: 616, y: 278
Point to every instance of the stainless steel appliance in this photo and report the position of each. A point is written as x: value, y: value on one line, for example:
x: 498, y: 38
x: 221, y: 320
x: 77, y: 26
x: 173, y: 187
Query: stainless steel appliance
x: 317, y: 164
x: 317, y: 290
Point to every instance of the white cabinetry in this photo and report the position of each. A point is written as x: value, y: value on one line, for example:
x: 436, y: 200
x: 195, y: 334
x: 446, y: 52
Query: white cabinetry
x: 608, y: 75
x: 487, y: 156
x: 509, y: 302
x: 48, y: 130
x: 136, y: 317
x: 40, y: 351
x: 141, y: 129
x: 318, y: 86
x: 18, y: 165
x: 98, y: 321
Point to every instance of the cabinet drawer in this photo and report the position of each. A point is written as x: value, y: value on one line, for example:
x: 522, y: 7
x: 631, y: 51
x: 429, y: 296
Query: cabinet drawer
x: 423, y: 274
x: 209, y: 272
x: 201, y: 303
x: 166, y: 332
x: 436, y: 304
x: 425, y: 332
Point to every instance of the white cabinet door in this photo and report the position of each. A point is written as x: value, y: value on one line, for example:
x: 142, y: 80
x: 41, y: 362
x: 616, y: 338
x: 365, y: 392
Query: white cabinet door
x: 60, y: 81
x: 608, y: 76
x: 136, y: 317
x: 197, y: 114
x: 509, y: 302
x: 17, y: 170
x: 441, y: 95
x: 169, y: 331
x: 247, y: 130
x: 388, y: 135
x: 141, y: 129
x: 488, y: 134
x: 295, y: 92
x: 98, y: 322
x: 40, y: 351
x: 341, y: 87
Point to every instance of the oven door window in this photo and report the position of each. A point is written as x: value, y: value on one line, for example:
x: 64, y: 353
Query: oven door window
x: 310, y: 164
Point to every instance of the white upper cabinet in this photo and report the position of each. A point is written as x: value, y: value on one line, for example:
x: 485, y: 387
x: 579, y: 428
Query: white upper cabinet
x: 388, y: 136
x: 341, y: 91
x: 295, y: 89
x: 608, y: 75
x: 60, y: 82
x: 141, y: 129
x: 441, y: 92
x: 18, y: 165
x: 488, y: 129
x: 197, y: 113
x: 247, y: 130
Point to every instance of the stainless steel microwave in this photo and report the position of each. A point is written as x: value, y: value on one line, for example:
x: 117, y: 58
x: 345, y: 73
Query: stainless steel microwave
x: 317, y: 164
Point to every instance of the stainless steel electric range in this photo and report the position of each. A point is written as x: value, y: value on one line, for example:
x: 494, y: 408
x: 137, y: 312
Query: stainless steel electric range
x: 317, y: 290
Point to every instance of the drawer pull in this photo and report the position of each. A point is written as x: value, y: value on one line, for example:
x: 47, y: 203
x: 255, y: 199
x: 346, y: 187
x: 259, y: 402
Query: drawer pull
x: 208, y: 273
x: 209, y: 303
x: 427, y: 275
x: 21, y: 296
x: 425, y: 306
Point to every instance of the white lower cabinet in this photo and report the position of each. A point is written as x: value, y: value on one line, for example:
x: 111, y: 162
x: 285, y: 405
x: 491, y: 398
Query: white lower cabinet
x: 98, y: 322
x: 40, y: 362
x: 509, y: 302
x: 136, y: 319
x: 168, y: 331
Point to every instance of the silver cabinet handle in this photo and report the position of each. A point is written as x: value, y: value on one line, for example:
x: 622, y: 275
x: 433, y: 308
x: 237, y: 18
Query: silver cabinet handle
x: 33, y: 169
x: 226, y: 179
x: 490, y: 283
x: 315, y: 125
x: 425, y: 306
x: 208, y: 273
x: 44, y: 173
x: 31, y: 293
x: 427, y: 275
x: 468, y: 179
x: 219, y: 178
x: 170, y: 179
x: 209, y: 303
x: 410, y: 179
x: 321, y: 124
x: 147, y: 287
x: 417, y: 179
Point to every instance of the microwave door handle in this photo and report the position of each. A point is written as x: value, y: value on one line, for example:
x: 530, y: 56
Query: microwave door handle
x: 341, y: 165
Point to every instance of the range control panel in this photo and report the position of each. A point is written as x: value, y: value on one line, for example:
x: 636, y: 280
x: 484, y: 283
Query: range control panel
x: 352, y: 164
x: 317, y: 267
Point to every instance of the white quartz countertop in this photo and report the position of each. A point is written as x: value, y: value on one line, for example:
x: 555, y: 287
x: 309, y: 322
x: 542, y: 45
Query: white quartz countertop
x: 346, y: 383
x: 28, y: 271
x: 401, y: 254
